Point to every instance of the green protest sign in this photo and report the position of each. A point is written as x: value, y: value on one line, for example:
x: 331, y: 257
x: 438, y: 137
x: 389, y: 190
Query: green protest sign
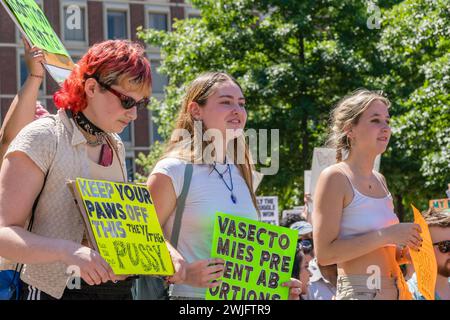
x: 122, y: 225
x: 258, y: 258
x: 36, y: 26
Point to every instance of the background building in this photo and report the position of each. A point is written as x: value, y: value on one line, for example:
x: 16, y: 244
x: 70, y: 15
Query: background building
x: 99, y: 20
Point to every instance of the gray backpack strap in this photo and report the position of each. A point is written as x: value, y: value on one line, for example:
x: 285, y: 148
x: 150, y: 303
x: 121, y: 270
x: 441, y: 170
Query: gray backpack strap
x: 181, y: 200
x: 155, y: 288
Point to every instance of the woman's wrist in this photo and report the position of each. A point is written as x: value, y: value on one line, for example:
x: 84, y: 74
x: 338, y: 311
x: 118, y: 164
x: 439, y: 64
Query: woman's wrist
x: 35, y: 75
x: 64, y: 251
x: 35, y: 78
x: 385, y: 236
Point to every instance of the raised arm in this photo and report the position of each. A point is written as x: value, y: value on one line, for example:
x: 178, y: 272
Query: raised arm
x: 327, y: 214
x: 23, y: 107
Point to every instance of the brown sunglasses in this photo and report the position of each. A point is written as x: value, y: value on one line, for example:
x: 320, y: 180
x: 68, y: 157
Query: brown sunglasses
x: 126, y: 101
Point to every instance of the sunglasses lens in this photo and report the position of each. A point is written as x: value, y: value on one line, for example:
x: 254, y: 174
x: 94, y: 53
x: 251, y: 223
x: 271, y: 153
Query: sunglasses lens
x: 444, y: 246
x: 305, y: 245
x: 142, y: 104
x: 128, y: 103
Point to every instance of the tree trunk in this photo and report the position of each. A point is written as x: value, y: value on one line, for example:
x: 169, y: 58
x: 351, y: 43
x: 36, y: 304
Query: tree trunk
x: 304, y: 118
x: 400, y: 207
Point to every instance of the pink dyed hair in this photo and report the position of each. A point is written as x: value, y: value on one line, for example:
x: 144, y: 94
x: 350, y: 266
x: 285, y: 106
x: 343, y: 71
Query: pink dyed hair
x: 111, y: 62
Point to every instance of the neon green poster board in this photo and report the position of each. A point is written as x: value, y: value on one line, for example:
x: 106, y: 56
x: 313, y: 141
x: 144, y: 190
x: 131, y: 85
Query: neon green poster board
x: 123, y: 226
x: 258, y: 258
x: 36, y: 26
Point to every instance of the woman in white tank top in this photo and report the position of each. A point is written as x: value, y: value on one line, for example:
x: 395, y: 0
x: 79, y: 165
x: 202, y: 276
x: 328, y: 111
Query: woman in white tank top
x: 354, y: 222
x: 213, y: 106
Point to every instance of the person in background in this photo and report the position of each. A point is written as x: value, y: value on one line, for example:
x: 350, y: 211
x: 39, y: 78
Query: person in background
x: 305, y: 237
x: 323, y: 281
x: 24, y: 107
x: 288, y: 220
x: 355, y: 225
x: 301, y: 271
x: 438, y: 221
x: 308, y: 208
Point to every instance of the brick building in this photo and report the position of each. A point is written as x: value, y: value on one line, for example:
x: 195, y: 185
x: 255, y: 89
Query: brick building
x: 99, y: 20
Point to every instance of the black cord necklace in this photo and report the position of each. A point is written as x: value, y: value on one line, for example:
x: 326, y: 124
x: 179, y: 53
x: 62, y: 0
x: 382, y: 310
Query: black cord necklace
x: 232, y: 196
x: 87, y: 126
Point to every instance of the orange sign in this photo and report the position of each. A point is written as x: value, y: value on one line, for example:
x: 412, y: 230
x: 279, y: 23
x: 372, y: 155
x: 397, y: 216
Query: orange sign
x: 440, y: 203
x: 424, y: 261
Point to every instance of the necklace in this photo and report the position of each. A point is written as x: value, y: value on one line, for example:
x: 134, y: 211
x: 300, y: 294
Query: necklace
x: 88, y: 127
x: 232, y: 196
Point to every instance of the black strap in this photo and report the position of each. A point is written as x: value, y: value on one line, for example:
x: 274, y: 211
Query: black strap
x: 181, y: 200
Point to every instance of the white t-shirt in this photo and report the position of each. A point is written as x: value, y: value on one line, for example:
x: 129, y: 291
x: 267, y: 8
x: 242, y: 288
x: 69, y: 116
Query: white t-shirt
x: 207, y: 195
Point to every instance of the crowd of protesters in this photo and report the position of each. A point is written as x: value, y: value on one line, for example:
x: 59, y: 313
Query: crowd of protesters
x: 351, y: 226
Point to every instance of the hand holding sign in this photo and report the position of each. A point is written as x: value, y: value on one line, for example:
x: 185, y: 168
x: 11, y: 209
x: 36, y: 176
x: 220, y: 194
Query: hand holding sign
x: 34, y: 58
x: 33, y: 24
x: 295, y: 290
x: 203, y: 273
x: 179, y: 264
x: 258, y: 259
x: 93, y: 268
x: 405, y: 234
x: 122, y: 225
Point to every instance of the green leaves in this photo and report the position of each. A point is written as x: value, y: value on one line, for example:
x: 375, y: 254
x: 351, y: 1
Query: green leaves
x: 296, y: 59
x: 415, y: 46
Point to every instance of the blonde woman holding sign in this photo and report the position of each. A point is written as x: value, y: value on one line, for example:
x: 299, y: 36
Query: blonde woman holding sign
x: 354, y: 222
x: 213, y: 109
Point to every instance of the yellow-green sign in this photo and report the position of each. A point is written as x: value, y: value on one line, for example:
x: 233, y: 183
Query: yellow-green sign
x: 258, y: 258
x: 36, y: 26
x: 122, y: 221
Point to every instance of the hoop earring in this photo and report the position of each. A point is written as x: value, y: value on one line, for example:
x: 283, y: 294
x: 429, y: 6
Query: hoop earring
x: 347, y: 140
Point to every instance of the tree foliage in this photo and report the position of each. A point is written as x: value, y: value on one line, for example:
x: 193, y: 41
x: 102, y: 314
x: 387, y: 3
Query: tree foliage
x: 415, y: 50
x: 295, y: 59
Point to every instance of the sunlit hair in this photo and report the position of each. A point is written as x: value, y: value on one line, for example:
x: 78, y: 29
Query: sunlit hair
x: 112, y: 62
x: 347, y: 113
x: 437, y: 217
x: 199, y: 91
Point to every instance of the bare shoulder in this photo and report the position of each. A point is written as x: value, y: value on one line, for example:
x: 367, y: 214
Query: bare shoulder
x: 334, y: 175
x: 334, y: 185
x: 381, y: 176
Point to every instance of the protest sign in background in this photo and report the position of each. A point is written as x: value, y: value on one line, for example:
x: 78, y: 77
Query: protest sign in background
x: 123, y: 226
x: 268, y: 207
x: 325, y: 157
x: 35, y: 27
x: 259, y: 258
x: 307, y: 181
x: 440, y: 203
x: 424, y: 261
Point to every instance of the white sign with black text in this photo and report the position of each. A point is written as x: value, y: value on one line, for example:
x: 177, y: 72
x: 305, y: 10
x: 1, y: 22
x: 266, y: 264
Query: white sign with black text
x: 268, y: 206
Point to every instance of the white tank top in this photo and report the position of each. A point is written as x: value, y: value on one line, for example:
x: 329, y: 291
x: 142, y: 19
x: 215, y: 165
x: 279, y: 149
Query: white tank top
x: 365, y: 214
x: 207, y: 195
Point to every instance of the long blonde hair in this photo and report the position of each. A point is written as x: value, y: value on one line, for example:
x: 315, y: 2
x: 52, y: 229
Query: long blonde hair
x: 347, y: 112
x: 199, y: 91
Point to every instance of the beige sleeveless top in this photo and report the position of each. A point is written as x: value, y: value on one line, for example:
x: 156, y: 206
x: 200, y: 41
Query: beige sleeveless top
x: 56, y: 146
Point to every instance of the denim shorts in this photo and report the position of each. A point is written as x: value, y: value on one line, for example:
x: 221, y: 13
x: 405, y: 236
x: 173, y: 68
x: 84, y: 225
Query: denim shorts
x: 360, y: 287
